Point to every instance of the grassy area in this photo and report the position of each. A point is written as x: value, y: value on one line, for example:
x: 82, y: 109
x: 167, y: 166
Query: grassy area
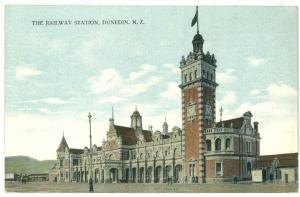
x: 150, y: 188
x: 26, y: 165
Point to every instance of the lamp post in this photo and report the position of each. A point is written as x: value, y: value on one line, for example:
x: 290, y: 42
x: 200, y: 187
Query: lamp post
x: 91, y: 188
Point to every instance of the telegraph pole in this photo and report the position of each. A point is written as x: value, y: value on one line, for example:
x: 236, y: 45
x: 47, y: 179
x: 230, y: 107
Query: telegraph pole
x: 91, y: 188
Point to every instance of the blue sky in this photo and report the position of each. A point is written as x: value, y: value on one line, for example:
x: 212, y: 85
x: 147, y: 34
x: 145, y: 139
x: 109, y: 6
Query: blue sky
x: 55, y: 75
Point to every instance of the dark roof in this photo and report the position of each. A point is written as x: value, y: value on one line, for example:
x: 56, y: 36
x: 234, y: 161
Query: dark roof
x: 99, y: 148
x: 285, y: 160
x: 237, y: 123
x: 76, y: 151
x: 147, y: 135
x: 127, y: 133
x: 63, y: 144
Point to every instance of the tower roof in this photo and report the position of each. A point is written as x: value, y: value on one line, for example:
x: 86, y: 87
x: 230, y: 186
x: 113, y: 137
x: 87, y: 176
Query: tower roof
x: 63, y: 144
x: 198, y: 37
x: 136, y: 113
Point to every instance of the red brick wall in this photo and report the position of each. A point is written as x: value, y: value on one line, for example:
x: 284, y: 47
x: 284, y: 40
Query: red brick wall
x: 210, y: 168
x: 191, y: 130
x: 230, y: 168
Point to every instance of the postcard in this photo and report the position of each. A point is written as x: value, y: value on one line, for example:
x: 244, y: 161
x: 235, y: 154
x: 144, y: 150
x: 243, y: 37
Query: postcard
x: 151, y: 98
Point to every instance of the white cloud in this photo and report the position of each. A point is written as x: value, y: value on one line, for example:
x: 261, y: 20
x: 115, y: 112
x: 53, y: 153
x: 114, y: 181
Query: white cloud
x: 229, y: 98
x: 226, y: 77
x: 53, y: 100
x: 137, y: 88
x: 135, y: 75
x: 173, y: 68
x: 254, y: 61
x: 277, y: 115
x: 281, y: 91
x: 107, y: 80
x: 44, y: 133
x: 23, y: 72
x: 148, y: 67
x: 172, y: 92
x: 254, y: 92
x: 110, y: 99
x: 49, y: 100
x: 145, y: 68
x: 43, y: 110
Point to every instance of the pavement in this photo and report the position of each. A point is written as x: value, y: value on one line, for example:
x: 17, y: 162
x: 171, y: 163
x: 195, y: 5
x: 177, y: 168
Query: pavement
x: 45, y: 187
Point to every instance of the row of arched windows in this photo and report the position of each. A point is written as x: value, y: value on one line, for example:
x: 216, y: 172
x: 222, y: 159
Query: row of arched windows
x: 218, y: 144
x: 205, y: 74
x: 190, y: 76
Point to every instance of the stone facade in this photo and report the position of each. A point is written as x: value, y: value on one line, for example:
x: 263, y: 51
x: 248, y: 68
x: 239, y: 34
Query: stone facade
x: 203, y: 151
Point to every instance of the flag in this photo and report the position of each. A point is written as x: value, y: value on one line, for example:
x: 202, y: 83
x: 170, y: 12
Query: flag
x: 195, y: 19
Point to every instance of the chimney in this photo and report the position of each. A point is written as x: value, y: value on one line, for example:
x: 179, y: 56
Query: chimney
x: 255, y: 126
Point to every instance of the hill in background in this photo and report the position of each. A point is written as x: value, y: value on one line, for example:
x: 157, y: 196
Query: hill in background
x: 27, y: 165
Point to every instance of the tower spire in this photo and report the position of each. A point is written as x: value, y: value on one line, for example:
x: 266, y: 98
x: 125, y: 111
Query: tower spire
x: 112, y: 112
x: 221, y: 113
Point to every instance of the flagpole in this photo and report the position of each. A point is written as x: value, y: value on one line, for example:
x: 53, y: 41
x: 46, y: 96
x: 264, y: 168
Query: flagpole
x: 197, y: 20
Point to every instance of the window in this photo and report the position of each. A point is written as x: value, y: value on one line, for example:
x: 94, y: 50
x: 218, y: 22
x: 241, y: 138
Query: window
x: 219, y: 170
x: 185, y: 78
x: 227, y: 144
x: 75, y: 162
x: 190, y: 76
x: 166, y: 153
x: 218, y: 145
x: 208, y: 145
x: 211, y: 77
x: 207, y: 75
x: 61, y: 163
x: 192, y: 169
x: 203, y: 73
x: 141, y: 156
x: 248, y: 144
x: 195, y: 74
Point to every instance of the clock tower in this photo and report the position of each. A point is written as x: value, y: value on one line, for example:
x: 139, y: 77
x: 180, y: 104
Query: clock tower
x: 198, y: 89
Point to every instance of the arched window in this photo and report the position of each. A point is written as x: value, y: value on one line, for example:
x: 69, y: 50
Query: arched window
x: 185, y: 78
x: 227, y: 144
x: 218, y: 145
x: 207, y: 75
x: 208, y: 145
x: 211, y: 77
x: 195, y: 74
x: 190, y: 76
